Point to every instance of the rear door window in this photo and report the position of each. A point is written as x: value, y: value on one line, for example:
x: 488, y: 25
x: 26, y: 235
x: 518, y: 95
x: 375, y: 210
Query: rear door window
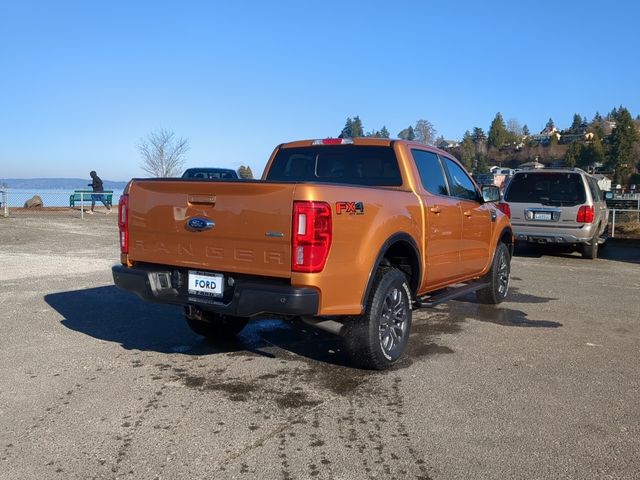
x: 348, y: 164
x: 546, y: 188
x: 430, y: 171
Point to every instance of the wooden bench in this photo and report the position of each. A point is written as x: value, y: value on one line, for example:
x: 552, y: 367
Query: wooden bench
x: 86, y: 196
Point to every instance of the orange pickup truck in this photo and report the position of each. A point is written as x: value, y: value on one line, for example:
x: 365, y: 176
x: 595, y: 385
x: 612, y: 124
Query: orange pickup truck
x: 349, y: 235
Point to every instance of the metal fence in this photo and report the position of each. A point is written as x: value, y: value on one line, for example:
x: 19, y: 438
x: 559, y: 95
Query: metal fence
x: 625, y: 218
x: 65, y: 203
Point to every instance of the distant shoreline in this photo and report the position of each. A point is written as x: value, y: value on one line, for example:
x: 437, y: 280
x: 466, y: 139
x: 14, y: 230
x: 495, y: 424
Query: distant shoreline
x: 57, y: 183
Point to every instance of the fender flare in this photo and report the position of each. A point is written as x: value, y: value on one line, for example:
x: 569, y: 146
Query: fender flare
x: 393, y: 239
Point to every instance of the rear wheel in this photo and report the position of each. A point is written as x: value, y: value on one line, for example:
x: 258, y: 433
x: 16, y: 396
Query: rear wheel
x: 377, y: 338
x: 215, y: 326
x: 498, y: 277
x: 590, y: 250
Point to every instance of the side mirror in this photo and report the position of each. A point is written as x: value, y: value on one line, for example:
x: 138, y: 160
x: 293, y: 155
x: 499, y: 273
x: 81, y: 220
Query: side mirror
x: 608, y: 195
x: 490, y: 193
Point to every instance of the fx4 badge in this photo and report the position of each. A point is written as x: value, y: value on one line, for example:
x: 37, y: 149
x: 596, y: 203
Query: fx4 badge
x: 351, y: 208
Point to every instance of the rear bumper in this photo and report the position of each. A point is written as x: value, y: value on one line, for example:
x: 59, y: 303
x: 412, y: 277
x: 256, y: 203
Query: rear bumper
x: 553, y: 234
x: 247, y: 297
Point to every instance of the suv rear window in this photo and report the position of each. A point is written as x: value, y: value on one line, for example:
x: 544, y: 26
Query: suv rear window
x: 546, y: 188
x: 349, y: 164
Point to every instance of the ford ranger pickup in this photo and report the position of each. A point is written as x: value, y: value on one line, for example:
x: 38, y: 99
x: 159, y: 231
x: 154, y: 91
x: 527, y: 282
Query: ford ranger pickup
x: 349, y: 235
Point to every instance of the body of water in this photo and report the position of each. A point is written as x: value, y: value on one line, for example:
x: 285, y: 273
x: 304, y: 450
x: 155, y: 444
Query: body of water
x: 16, y: 197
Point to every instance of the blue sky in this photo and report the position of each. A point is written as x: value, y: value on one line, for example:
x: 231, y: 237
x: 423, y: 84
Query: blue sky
x: 82, y: 82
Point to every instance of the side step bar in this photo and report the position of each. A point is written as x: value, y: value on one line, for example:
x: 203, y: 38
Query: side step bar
x: 441, y: 296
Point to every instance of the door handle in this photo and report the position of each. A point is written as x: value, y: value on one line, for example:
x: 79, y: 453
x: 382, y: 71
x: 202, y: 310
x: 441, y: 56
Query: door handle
x: 435, y: 209
x: 467, y: 213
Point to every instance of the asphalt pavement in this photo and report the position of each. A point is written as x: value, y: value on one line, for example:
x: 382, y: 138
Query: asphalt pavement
x: 95, y: 383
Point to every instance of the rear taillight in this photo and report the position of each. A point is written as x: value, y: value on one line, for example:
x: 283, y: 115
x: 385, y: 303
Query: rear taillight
x: 311, y: 236
x: 504, y: 208
x: 123, y: 223
x: 586, y: 214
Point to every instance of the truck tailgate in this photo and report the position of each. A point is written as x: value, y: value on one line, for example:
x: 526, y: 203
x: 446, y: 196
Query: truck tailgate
x: 251, y: 231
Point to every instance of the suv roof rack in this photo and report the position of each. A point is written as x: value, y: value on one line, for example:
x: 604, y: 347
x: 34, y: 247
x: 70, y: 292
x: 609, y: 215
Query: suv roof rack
x: 562, y: 167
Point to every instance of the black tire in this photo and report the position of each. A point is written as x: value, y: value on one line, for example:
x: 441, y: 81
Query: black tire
x: 215, y: 326
x: 590, y: 250
x: 498, y: 277
x: 377, y: 338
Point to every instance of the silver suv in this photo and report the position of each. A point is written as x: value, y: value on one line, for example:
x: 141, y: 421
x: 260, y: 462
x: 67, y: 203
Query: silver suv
x: 557, y: 206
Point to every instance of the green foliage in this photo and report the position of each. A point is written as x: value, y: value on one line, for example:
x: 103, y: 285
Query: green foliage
x: 575, y: 124
x: 525, y: 130
x: 384, y: 133
x: 481, y: 165
x: 553, y: 139
x: 467, y: 151
x: 623, y: 137
x: 478, y: 135
x: 356, y: 127
x: 245, y: 172
x: 352, y: 128
x: 550, y: 125
x: 407, y: 134
x: 498, y: 134
x: 573, y: 154
x: 592, y: 154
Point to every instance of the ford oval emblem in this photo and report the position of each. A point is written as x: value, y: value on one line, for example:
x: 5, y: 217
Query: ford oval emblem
x: 197, y: 224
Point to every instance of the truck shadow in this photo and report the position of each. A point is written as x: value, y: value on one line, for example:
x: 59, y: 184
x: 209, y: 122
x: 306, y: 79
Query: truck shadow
x: 111, y: 315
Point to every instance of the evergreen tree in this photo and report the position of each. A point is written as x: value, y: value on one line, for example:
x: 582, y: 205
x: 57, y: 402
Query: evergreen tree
x: 356, y: 127
x: 575, y: 125
x: 525, y: 130
x: 347, y: 131
x: 497, y: 132
x: 573, y: 154
x: 550, y: 125
x: 481, y: 165
x: 478, y: 135
x: 592, y: 155
x: 623, y: 137
x: 467, y: 151
x: 407, y: 134
x: 384, y: 133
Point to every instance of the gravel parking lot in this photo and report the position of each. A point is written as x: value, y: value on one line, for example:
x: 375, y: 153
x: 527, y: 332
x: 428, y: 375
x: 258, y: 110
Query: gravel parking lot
x: 95, y: 383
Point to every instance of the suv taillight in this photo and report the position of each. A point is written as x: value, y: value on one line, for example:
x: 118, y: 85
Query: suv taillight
x: 504, y: 208
x: 586, y: 214
x: 311, y: 236
x: 123, y: 223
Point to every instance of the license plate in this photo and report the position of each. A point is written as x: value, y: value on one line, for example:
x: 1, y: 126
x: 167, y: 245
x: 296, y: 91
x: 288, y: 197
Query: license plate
x: 205, y: 283
x: 542, y: 216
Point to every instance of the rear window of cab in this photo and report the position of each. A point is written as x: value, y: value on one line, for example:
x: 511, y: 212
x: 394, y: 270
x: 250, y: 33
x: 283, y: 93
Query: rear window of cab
x: 347, y: 164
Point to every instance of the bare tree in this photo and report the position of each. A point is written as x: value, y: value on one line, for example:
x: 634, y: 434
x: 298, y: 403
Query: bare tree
x: 425, y: 132
x: 162, y: 154
x: 514, y: 127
